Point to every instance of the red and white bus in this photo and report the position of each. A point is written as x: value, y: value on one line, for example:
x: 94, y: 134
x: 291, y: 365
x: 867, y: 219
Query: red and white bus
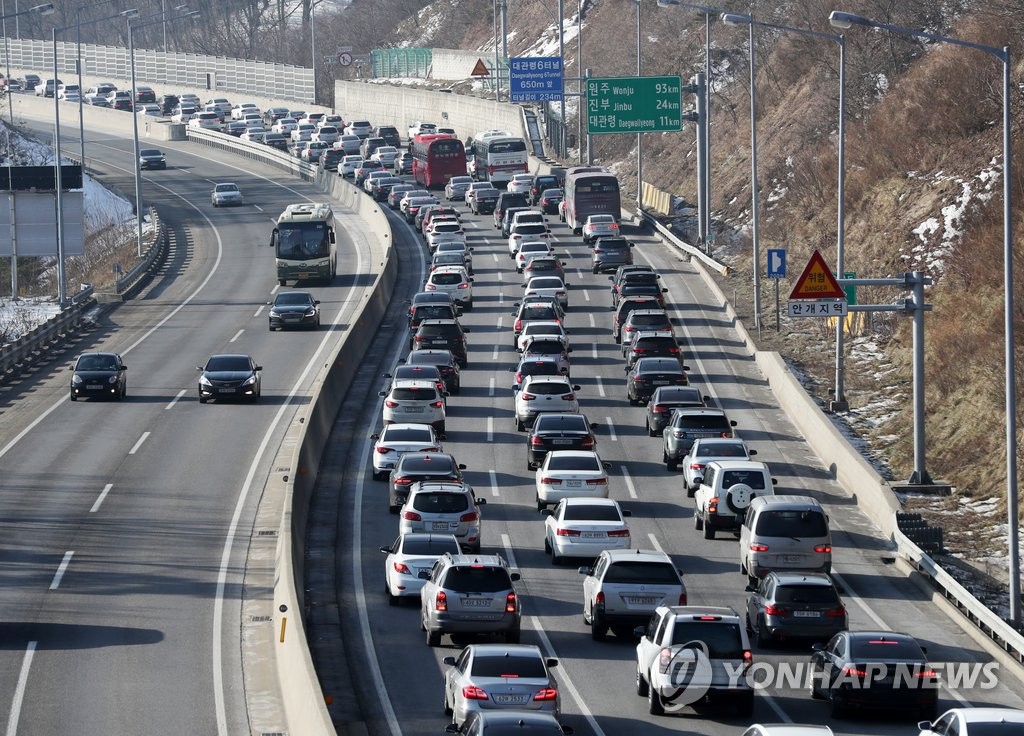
x: 588, y: 193
x: 436, y: 158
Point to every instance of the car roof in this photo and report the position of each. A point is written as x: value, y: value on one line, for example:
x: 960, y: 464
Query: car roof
x: 696, y: 411
x: 802, y: 578
x: 573, y: 453
x: 705, y: 441
x: 487, y: 560
x: 981, y: 715
x: 414, y: 383
x: 406, y: 425
x: 730, y: 464
x: 551, y: 417
x: 441, y: 486
x: 791, y: 501
x: 499, y: 650
x: 867, y: 635
x: 723, y: 611
x: 586, y: 501
x: 676, y: 393
x: 640, y: 555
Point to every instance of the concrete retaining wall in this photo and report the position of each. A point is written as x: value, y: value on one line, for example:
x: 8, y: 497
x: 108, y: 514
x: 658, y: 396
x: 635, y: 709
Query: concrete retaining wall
x: 456, y: 64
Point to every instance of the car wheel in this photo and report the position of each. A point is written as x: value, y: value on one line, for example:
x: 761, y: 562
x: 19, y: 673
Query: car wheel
x: 745, y: 706
x: 594, y: 270
x: 598, y: 627
x: 375, y: 475
x: 761, y: 638
x: 556, y: 559
x: 654, y: 704
x: 202, y: 399
x: 838, y: 706
x: 433, y: 638
x: 672, y: 464
x: 812, y: 688
x: 641, y: 684
x: 393, y: 509
x: 709, y: 531
x: 393, y: 600
x: 698, y: 523
x: 520, y: 427
x: 547, y: 544
x: 752, y: 580
x: 270, y: 327
x: 73, y: 397
x: 445, y: 707
x: 650, y: 432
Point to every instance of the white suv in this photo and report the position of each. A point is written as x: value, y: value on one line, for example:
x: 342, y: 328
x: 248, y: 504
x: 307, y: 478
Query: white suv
x: 725, y: 492
x: 453, y: 280
x: 538, y: 394
x: 414, y: 401
x: 625, y: 586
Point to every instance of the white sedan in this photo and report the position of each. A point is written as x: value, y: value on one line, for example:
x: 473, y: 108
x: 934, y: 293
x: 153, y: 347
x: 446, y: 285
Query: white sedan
x: 457, y: 246
x: 520, y: 184
x: 395, y: 439
x: 571, y: 474
x: 530, y: 250
x: 539, y: 394
x: 409, y: 561
x: 548, y: 286
x: 285, y: 126
x: 584, y: 527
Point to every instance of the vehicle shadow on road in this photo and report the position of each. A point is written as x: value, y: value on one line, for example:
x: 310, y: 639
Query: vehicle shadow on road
x: 15, y: 635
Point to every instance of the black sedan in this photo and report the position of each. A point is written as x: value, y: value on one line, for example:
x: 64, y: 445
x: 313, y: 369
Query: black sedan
x: 99, y: 374
x: 884, y: 670
x: 444, y: 361
x: 549, y: 201
x: 294, y: 309
x: 665, y: 399
x: 229, y: 376
x: 554, y: 431
x: 648, y: 374
x: 414, y: 467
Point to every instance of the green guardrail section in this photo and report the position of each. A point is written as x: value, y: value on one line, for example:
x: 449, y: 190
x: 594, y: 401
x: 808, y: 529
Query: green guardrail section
x: 410, y: 62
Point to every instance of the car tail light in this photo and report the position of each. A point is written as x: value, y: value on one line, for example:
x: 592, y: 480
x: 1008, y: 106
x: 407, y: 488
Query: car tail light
x: 568, y: 397
x: 597, y: 482
x: 463, y: 285
x: 383, y: 450
x: 587, y: 442
x: 567, y: 532
x: 838, y: 612
x: 519, y: 376
x: 471, y: 516
x: 390, y: 404
x: 852, y: 671
x: 441, y: 601
x: 928, y: 673
x: 673, y: 351
x: 510, y: 603
x: 402, y: 568
x: 638, y: 351
x: 641, y: 379
x: 825, y: 549
x: 403, y: 481
x: 621, y: 533
x: 599, y: 599
x: 682, y: 599
x: 551, y: 481
x: 713, y: 507
x: 758, y: 547
x: 536, y: 442
x: 518, y: 325
x: 548, y: 693
x: 628, y: 328
x: 430, y: 287
x: 696, y: 466
x: 748, y: 659
x: 437, y: 404
x: 418, y: 338
x: 664, y: 660
x: 773, y: 610
x: 527, y: 397
x: 727, y: 434
x: 411, y: 516
x: 472, y: 692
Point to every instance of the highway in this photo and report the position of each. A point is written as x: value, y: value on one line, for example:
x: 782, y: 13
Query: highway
x: 397, y: 679
x: 127, y: 524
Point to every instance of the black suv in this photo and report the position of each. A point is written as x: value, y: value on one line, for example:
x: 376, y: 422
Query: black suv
x: 505, y: 201
x: 554, y: 431
x: 623, y: 279
x: 446, y: 334
x: 628, y: 289
x: 649, y: 374
x: 610, y: 253
x: 540, y: 183
x: 430, y: 310
x: 390, y: 135
x: 626, y: 306
x: 330, y: 158
x: 413, y: 467
x: 666, y: 399
x: 650, y: 345
x: 444, y: 361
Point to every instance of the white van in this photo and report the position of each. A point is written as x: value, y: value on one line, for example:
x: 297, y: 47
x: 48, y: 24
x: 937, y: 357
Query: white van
x: 784, y: 533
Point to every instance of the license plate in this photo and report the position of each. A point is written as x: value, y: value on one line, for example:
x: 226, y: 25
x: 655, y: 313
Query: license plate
x: 226, y: 390
x: 476, y: 602
x: 438, y: 342
x: 660, y: 383
x: 636, y: 600
x: 573, y: 484
x: 561, y: 442
x: 807, y: 614
x: 440, y: 526
x: 592, y: 535
x: 94, y: 386
x: 510, y: 699
x: 414, y: 410
x: 303, y: 274
x: 793, y: 559
x: 424, y: 574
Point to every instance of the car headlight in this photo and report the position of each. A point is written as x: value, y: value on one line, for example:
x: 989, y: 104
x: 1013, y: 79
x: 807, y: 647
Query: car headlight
x: 249, y: 381
x: 112, y: 380
x: 274, y: 313
x: 204, y: 381
x: 310, y: 312
x: 76, y: 379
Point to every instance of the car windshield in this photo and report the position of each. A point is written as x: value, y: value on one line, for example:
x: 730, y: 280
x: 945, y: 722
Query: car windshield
x: 292, y: 298
x: 548, y: 388
x: 546, y: 282
x: 97, y: 363
x: 883, y: 648
x: 150, y: 152
x: 509, y: 665
x: 434, y: 311
x: 573, y: 462
x: 440, y: 503
x: 446, y: 278
x: 226, y: 188
x: 414, y: 393
x: 636, y: 571
x: 715, y: 423
x: 600, y: 220
x: 447, y: 227
x: 722, y: 450
x: 434, y: 546
x: 478, y: 579
x: 439, y: 466
x: 591, y: 512
x: 228, y: 363
x: 560, y: 423
x: 530, y: 228
x: 753, y: 478
x: 795, y: 523
x: 722, y: 640
x: 825, y: 594
x: 406, y: 434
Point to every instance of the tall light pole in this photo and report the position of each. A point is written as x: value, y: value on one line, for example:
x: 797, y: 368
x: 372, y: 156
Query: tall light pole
x: 581, y: 102
x: 312, y: 44
x: 839, y: 402
x: 497, y: 78
x: 847, y: 20
x: 709, y: 13
x: 639, y: 136
x: 755, y: 191
x: 135, y: 118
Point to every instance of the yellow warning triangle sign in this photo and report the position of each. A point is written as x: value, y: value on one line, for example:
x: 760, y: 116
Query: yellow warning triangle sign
x: 480, y: 70
x: 817, y: 281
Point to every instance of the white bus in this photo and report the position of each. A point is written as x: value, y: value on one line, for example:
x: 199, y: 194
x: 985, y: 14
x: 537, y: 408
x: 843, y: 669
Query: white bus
x: 497, y: 156
x: 304, y: 243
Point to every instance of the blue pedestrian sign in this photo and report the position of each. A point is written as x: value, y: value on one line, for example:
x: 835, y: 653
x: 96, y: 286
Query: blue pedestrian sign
x: 776, y: 263
x: 535, y: 79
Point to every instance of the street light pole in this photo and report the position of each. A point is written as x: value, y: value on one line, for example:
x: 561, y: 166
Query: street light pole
x: 581, y: 101
x: 497, y: 77
x: 845, y: 20
x: 639, y: 136
x: 312, y: 44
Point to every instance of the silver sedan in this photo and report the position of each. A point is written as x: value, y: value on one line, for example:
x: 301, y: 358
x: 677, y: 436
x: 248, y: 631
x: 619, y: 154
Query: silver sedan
x: 226, y: 194
x: 499, y: 676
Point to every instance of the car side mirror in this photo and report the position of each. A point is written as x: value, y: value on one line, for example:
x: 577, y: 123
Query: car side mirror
x: 732, y: 423
x: 611, y: 278
x: 386, y: 550
x: 575, y: 387
x: 585, y: 570
x: 547, y: 512
x: 450, y: 661
x: 451, y: 728
x: 817, y: 647
x: 596, y: 425
x: 605, y: 464
x: 627, y: 512
x: 686, y: 367
x: 664, y: 291
x: 462, y: 466
x: 258, y: 368
x: 568, y: 730
x: 375, y: 436
x: 775, y: 481
x: 198, y: 368
x: 480, y: 501
x: 568, y: 350
x: 382, y: 393
x: 749, y: 588
x: 515, y: 576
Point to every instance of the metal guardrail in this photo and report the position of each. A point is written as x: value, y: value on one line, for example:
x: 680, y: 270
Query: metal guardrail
x: 682, y: 245
x: 155, y: 253
x: 1008, y: 638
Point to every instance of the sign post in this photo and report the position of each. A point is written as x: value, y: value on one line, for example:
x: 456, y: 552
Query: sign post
x: 776, y: 271
x: 815, y: 290
x: 535, y: 79
x: 634, y: 104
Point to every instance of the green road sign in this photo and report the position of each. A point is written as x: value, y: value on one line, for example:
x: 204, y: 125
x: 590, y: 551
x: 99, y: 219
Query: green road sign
x: 634, y: 104
x: 851, y: 291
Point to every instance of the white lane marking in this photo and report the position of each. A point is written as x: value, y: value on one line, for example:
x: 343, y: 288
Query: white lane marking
x: 61, y: 568
x: 277, y: 287
x: 490, y: 429
x: 586, y: 295
x: 175, y: 400
x: 592, y: 322
x: 501, y: 297
x: 490, y: 386
x: 494, y: 482
x: 501, y: 276
x: 655, y: 543
x: 138, y: 443
x: 506, y: 542
x: 629, y: 482
x: 19, y: 690
x: 257, y: 208
x: 501, y: 319
x: 593, y: 351
x: 563, y: 677
x: 495, y: 257
x: 600, y: 386
x: 579, y: 273
x: 99, y: 499
x: 237, y: 335
x: 259, y: 311
x: 494, y: 353
x: 611, y: 429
